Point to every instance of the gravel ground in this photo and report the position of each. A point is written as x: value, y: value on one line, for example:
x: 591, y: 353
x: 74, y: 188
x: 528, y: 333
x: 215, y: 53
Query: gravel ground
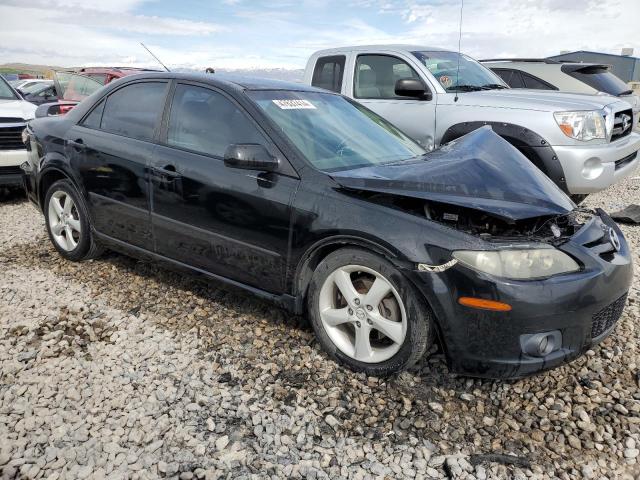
x: 117, y: 368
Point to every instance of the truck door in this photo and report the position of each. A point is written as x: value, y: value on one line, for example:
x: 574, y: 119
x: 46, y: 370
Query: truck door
x: 374, y: 80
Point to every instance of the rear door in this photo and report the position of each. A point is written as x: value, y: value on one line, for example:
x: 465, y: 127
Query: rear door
x: 374, y: 82
x: 230, y: 222
x: 111, y: 149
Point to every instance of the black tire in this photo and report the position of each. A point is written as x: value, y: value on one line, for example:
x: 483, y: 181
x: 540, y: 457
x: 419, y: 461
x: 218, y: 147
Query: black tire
x: 578, y: 198
x: 419, y: 332
x: 86, y: 248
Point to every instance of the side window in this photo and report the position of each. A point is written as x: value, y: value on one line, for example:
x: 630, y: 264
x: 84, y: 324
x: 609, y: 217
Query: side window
x: 328, y: 73
x: 376, y: 76
x: 133, y: 111
x: 95, y: 117
x: 533, y: 82
x: 511, y: 77
x: 206, y: 121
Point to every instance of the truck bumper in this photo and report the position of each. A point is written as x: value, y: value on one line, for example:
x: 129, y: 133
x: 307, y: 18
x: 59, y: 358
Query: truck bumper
x: 10, y: 172
x: 592, y: 168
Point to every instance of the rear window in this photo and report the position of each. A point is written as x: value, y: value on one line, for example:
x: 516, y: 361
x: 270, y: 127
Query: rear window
x: 598, y: 77
x: 328, y: 73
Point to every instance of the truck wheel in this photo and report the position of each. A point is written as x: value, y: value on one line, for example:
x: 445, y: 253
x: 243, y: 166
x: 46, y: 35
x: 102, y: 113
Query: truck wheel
x: 366, y: 315
x: 67, y: 223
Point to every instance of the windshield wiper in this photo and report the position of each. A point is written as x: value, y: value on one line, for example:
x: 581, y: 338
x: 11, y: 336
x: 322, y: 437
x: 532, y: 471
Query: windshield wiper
x: 492, y: 86
x: 468, y: 88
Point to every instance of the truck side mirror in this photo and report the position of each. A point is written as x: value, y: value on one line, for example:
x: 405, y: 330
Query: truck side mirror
x: 411, y: 87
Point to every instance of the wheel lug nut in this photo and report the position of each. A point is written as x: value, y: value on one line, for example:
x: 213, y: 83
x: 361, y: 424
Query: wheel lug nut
x: 369, y: 307
x: 369, y: 321
x: 357, y: 301
x: 358, y: 324
x: 350, y: 312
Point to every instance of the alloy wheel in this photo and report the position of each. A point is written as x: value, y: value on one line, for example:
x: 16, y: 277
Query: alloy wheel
x: 362, y: 313
x: 64, y: 221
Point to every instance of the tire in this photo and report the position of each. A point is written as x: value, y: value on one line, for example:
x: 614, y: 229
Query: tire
x: 74, y: 225
x: 578, y: 198
x: 344, y: 327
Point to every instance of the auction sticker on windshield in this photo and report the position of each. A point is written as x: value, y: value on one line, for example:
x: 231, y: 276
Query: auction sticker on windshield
x: 294, y: 104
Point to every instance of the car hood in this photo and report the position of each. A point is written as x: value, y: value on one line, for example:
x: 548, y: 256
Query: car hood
x: 479, y: 170
x: 17, y: 109
x: 539, y: 100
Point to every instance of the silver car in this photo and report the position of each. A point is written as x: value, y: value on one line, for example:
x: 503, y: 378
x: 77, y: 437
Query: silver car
x: 584, y: 143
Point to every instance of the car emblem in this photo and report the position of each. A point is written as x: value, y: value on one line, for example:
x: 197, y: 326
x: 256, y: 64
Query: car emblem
x: 626, y: 122
x: 614, y: 239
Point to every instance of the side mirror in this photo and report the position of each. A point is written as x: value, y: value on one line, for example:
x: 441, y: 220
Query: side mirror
x: 54, y: 108
x: 250, y: 156
x: 411, y: 87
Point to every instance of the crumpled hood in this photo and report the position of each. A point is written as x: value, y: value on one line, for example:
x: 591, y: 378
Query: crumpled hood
x: 479, y: 170
x: 17, y: 109
x: 539, y: 100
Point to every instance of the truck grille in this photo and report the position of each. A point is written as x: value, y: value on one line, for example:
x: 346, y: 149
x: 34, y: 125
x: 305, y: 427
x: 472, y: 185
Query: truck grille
x: 606, y: 318
x: 11, y: 138
x: 11, y: 170
x: 622, y: 124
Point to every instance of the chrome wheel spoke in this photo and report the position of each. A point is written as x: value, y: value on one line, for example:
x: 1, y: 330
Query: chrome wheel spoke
x: 363, y: 350
x: 57, y: 228
x: 57, y: 206
x: 377, y: 292
x: 335, y: 316
x: 68, y: 205
x: 74, y: 224
x: 393, y: 330
x: 70, y: 240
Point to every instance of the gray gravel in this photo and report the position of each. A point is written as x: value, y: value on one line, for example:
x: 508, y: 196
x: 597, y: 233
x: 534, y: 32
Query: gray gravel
x: 116, y: 368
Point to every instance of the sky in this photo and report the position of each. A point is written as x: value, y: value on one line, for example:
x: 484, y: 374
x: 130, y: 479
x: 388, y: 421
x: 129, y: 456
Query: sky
x: 246, y: 34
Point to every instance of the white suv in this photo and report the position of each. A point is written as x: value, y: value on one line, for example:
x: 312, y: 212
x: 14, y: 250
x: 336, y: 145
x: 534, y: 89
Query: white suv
x: 571, y: 77
x: 14, y: 114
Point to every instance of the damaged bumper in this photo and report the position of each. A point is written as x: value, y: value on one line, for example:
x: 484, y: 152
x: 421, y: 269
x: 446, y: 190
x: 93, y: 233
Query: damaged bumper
x: 551, y: 321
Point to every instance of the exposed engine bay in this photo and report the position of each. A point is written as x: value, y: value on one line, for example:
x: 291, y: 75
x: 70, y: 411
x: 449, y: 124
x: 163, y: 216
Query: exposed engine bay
x: 552, y: 229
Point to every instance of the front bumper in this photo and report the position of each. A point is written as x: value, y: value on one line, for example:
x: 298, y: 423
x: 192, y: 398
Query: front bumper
x: 592, y: 168
x: 10, y: 172
x: 583, y: 307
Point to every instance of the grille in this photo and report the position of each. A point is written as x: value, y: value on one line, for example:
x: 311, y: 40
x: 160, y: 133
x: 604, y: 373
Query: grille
x: 11, y: 120
x: 11, y: 138
x: 626, y: 160
x: 11, y: 170
x: 622, y: 124
x: 606, y: 318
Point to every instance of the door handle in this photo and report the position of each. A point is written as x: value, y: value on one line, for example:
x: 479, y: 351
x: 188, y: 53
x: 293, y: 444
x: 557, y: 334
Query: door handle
x: 78, y: 144
x: 166, y: 173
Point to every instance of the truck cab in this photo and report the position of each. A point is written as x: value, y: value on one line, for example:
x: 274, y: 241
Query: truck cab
x: 584, y: 143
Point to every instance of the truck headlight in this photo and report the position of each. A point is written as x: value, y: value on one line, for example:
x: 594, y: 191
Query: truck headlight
x: 518, y: 264
x: 583, y: 126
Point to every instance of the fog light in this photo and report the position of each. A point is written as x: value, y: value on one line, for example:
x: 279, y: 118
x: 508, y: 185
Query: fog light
x: 592, y: 168
x: 541, y: 344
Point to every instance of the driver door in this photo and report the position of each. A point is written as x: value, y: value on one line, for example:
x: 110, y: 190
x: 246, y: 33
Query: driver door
x: 374, y: 82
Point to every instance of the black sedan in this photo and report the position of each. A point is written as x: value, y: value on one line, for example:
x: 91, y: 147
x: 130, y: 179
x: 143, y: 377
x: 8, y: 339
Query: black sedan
x: 309, y: 199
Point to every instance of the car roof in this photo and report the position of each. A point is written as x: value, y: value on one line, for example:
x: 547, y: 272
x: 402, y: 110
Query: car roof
x: 398, y: 47
x: 230, y: 81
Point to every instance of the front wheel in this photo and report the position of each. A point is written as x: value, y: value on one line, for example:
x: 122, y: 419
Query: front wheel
x: 67, y: 222
x: 366, y: 315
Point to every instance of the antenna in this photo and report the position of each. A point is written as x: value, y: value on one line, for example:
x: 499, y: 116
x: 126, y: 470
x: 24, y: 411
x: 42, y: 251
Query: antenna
x: 145, y: 47
x: 459, y: 53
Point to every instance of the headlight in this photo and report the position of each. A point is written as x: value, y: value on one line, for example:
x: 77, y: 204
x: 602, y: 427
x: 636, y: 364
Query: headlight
x: 582, y: 125
x: 518, y: 264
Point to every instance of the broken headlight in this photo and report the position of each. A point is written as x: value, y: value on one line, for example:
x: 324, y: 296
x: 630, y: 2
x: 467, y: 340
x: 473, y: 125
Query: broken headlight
x: 585, y: 126
x: 518, y: 264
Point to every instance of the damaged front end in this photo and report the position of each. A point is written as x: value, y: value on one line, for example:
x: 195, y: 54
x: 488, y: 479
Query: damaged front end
x: 478, y: 184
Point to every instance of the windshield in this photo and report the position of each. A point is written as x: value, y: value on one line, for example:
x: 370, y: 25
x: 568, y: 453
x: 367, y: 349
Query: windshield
x: 33, y: 87
x: 468, y: 76
x: 6, y: 92
x: 75, y: 87
x: 333, y: 133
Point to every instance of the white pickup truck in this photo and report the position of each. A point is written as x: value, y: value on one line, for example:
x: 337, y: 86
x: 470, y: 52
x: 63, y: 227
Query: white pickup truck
x: 584, y: 143
x: 14, y: 114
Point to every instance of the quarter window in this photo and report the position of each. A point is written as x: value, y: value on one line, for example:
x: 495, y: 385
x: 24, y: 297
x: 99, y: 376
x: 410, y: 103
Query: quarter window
x: 133, y: 111
x: 328, y: 73
x: 95, y: 117
x: 534, y: 82
x: 511, y: 77
x: 207, y: 122
x: 376, y: 76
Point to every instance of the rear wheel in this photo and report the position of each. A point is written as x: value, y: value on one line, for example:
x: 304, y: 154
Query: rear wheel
x: 366, y: 315
x: 67, y: 222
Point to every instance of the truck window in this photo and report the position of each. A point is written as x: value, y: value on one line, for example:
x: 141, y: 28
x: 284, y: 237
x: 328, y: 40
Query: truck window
x: 535, y: 83
x: 376, y: 76
x: 328, y: 73
x: 510, y: 76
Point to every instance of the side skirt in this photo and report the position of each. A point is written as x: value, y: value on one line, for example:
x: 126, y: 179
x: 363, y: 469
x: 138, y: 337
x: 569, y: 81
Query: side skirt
x: 285, y: 301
